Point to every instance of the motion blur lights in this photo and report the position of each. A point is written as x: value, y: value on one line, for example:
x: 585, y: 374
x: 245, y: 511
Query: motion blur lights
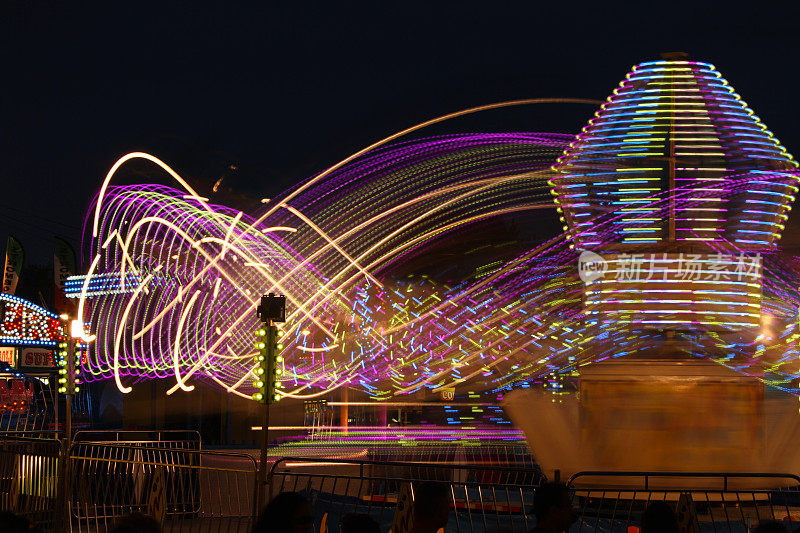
x: 513, y: 323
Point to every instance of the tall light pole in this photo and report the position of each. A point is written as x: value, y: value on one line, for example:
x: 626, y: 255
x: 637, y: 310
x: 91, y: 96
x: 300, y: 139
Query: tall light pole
x: 272, y: 310
x: 69, y: 381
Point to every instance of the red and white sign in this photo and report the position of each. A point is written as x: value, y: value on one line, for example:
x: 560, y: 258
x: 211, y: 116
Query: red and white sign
x: 22, y: 320
x: 7, y: 355
x: 36, y: 358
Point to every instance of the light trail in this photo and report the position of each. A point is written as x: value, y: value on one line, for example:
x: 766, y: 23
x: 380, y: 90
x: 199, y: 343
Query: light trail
x: 333, y: 243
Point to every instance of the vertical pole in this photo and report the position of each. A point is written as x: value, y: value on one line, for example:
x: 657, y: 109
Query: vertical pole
x: 262, y: 494
x: 264, y: 455
x: 63, y: 501
x: 54, y: 387
x: 344, y: 412
x: 70, y: 384
x: 61, y: 511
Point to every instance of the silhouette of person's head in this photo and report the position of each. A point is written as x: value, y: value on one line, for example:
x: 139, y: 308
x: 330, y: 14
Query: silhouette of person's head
x: 431, y: 507
x: 288, y: 512
x: 659, y: 517
x: 552, y: 506
x: 359, y: 523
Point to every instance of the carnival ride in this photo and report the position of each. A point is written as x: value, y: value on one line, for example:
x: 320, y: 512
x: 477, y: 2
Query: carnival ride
x: 673, y: 164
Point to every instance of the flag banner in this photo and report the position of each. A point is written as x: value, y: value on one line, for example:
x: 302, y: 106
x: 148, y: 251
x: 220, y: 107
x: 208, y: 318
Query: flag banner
x: 15, y: 255
x: 63, y: 267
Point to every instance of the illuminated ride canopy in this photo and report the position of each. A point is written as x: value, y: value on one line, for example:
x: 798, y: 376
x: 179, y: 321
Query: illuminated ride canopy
x: 23, y: 323
x: 673, y: 155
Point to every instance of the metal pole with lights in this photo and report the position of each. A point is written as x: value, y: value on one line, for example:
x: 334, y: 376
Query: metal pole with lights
x: 267, y: 370
x: 69, y: 380
x: 69, y: 363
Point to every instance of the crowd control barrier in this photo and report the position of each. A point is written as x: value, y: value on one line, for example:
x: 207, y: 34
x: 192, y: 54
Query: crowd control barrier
x: 187, y: 490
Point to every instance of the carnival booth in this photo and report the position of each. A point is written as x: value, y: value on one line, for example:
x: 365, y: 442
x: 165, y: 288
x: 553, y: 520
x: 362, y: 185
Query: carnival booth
x: 29, y: 337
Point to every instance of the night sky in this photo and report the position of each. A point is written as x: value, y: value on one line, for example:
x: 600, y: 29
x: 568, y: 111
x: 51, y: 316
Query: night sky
x: 284, y: 92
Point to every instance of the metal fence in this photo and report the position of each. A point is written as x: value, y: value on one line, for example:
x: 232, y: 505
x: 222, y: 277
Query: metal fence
x: 483, y: 498
x: 189, y: 490
x: 172, y: 439
x: 40, y: 434
x: 603, y: 501
x: 486, y: 455
x: 713, y: 502
x: 195, y: 490
x: 29, y: 477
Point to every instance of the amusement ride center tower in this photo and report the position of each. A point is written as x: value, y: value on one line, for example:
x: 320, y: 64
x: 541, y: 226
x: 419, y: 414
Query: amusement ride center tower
x: 671, y: 193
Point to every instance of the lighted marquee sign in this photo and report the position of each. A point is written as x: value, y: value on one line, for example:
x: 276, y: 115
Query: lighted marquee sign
x: 36, y: 358
x: 23, y: 323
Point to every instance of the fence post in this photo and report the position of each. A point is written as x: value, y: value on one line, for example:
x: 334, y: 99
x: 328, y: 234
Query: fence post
x: 63, y: 496
x: 262, y: 476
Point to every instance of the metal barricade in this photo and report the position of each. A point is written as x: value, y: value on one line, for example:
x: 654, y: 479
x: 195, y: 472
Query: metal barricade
x: 340, y: 487
x: 718, y: 502
x: 29, y: 477
x: 488, y: 457
x: 193, y: 490
x: 40, y: 434
x: 173, y: 438
x: 715, y: 502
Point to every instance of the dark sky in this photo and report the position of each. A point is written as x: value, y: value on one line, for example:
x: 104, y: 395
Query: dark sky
x: 283, y: 92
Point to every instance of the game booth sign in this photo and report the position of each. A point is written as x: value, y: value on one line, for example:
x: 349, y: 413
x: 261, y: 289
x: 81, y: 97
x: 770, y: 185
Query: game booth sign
x: 29, y: 335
